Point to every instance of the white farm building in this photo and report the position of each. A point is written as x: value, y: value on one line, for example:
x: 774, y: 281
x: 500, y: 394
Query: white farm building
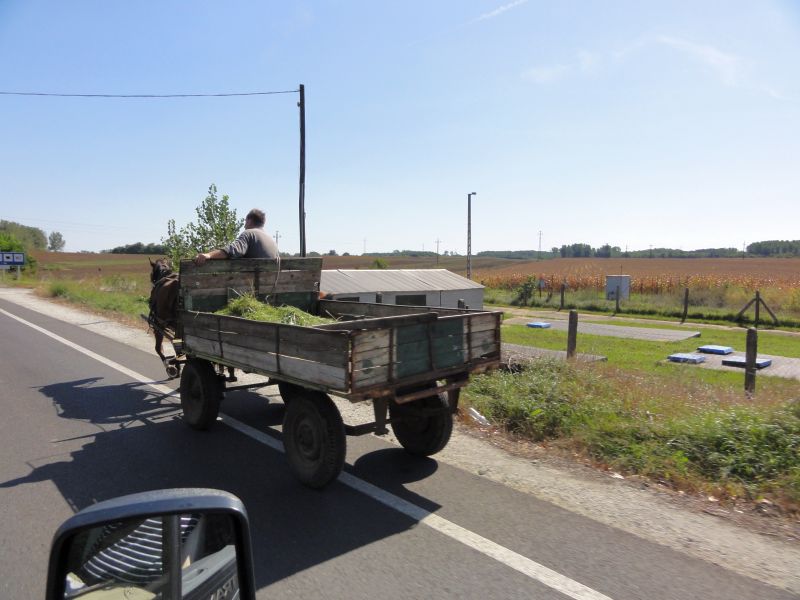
x: 412, y: 287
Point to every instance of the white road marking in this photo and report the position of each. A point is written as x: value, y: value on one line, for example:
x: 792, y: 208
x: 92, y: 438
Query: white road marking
x: 524, y: 565
x: 161, y: 389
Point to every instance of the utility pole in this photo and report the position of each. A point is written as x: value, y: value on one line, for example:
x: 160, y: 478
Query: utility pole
x: 302, y: 105
x: 469, y: 234
x: 438, y: 241
x: 540, y: 244
x: 277, y: 236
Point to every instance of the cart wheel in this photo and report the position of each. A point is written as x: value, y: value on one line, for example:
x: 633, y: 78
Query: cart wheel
x: 289, y: 391
x: 201, y: 392
x: 314, y: 438
x: 422, y: 427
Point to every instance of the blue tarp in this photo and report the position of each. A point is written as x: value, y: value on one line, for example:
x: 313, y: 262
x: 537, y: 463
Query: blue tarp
x: 687, y: 357
x: 713, y: 349
x: 741, y: 361
x: 539, y: 325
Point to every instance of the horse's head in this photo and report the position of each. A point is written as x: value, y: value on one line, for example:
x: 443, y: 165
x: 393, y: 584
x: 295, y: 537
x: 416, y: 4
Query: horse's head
x: 159, y: 269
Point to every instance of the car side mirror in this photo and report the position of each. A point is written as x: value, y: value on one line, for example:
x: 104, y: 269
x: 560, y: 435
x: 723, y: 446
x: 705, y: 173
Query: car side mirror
x: 164, y: 544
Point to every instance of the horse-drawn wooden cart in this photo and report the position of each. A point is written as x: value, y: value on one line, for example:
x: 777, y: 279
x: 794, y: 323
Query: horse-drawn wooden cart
x: 410, y: 362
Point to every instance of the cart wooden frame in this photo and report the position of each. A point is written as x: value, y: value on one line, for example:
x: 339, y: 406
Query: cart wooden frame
x: 410, y: 361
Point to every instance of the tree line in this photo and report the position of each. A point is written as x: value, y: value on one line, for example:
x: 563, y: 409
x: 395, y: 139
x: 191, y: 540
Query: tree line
x: 138, y: 248
x: 775, y: 248
x: 578, y: 250
x: 21, y: 238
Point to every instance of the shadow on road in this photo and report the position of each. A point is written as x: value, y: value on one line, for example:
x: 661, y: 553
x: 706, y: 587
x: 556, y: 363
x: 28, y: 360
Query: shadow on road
x: 84, y: 400
x: 146, y: 446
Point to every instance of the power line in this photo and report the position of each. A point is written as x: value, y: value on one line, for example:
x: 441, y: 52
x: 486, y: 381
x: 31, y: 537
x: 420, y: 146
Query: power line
x: 146, y: 96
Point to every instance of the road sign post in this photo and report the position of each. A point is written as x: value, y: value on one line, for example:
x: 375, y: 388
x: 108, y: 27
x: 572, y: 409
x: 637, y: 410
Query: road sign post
x: 9, y: 260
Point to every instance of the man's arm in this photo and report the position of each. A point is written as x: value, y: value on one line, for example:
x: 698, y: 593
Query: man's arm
x: 201, y: 258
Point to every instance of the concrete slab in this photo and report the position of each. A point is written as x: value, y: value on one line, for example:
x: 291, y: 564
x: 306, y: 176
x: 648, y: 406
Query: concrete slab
x: 788, y: 368
x: 515, y: 353
x: 622, y: 331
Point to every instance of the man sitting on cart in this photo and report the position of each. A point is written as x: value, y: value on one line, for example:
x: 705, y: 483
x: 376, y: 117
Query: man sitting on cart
x: 253, y: 242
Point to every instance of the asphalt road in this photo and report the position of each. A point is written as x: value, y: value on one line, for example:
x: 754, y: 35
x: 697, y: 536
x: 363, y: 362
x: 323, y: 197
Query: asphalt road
x: 85, y: 419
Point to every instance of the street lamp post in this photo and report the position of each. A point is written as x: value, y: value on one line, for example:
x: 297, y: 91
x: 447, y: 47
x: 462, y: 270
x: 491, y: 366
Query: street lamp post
x: 469, y: 234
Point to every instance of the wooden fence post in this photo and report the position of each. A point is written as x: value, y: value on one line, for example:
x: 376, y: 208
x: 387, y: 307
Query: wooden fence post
x: 572, y: 334
x: 561, y: 306
x: 616, y: 296
x: 750, y: 361
x: 758, y: 306
x: 685, y: 305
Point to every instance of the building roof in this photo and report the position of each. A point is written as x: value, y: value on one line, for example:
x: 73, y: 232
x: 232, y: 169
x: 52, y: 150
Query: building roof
x: 357, y: 281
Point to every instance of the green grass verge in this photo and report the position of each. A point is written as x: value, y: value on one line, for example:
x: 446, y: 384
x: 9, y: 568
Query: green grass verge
x: 692, y: 435
x: 128, y: 303
x: 644, y: 354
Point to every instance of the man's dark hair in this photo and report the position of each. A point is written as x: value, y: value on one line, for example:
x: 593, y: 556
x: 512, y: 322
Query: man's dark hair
x: 257, y: 217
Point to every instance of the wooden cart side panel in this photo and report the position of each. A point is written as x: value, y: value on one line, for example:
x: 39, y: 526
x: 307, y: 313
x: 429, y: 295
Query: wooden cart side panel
x: 266, y: 283
x: 247, y: 359
x: 308, y: 336
x: 209, y: 287
x: 317, y: 356
x: 339, y: 308
x: 446, y: 343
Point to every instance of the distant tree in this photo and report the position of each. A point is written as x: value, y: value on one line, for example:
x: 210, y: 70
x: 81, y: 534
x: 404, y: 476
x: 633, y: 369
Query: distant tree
x: 345, y: 254
x: 775, y: 248
x: 217, y: 226
x: 138, y: 248
x: 8, y: 243
x: 603, y: 251
x: 525, y: 291
x: 29, y: 237
x: 55, y: 242
x: 332, y: 253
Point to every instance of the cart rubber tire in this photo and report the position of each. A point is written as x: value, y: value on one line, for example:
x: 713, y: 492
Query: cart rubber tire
x: 201, y: 392
x: 314, y: 438
x: 422, y: 435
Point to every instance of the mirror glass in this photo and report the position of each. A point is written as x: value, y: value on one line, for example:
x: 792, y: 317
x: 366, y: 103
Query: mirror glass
x: 160, y: 557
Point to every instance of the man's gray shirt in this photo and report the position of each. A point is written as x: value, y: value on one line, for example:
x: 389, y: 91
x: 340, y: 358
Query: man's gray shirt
x: 252, y: 243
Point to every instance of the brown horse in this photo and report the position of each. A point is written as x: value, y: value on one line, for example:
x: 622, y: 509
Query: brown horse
x: 163, y: 317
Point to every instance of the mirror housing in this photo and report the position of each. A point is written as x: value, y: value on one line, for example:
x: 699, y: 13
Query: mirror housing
x: 174, y: 515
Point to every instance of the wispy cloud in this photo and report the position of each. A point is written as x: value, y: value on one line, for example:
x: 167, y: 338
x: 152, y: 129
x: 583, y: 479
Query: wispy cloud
x: 499, y: 11
x: 729, y: 67
x: 588, y: 62
x: 546, y: 73
x: 731, y: 70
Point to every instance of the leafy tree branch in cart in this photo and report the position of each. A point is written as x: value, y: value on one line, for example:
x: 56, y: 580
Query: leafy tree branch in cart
x: 217, y: 226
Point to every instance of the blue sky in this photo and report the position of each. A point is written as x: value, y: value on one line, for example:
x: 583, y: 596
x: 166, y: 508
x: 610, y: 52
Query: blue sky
x: 632, y: 123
